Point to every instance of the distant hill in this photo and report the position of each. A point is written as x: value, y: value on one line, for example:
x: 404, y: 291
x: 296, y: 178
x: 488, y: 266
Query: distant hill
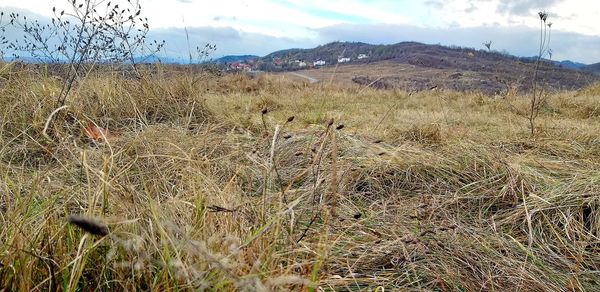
x: 150, y: 59
x: 328, y: 53
x: 233, y: 59
x: 404, y: 51
x: 595, y: 68
x: 565, y: 64
x: 570, y: 64
x: 183, y: 61
x: 491, y: 70
x: 22, y: 59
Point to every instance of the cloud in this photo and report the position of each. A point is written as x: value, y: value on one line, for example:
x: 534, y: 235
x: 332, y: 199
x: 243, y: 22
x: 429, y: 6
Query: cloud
x: 228, y: 40
x: 471, y: 8
x: 525, y: 7
x: 436, y: 4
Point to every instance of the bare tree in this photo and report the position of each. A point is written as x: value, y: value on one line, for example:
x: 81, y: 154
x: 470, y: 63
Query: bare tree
x: 89, y: 33
x: 488, y: 45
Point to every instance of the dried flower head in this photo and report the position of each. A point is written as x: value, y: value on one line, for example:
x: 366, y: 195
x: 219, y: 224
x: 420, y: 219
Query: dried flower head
x: 291, y: 119
x: 543, y: 15
x: 89, y: 225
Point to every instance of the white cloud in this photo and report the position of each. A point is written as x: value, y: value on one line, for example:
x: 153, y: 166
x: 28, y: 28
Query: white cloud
x: 295, y: 22
x: 578, y: 16
x: 282, y: 17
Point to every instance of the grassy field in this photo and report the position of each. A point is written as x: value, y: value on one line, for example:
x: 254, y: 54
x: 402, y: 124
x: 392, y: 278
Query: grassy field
x: 260, y: 184
x: 490, y: 77
x: 343, y: 74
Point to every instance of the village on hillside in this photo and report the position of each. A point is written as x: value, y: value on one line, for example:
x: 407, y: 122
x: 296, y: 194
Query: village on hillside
x: 278, y: 63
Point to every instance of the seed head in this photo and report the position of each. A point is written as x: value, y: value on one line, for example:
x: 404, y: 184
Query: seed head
x: 330, y: 122
x: 89, y: 225
x: 291, y: 119
x: 265, y: 111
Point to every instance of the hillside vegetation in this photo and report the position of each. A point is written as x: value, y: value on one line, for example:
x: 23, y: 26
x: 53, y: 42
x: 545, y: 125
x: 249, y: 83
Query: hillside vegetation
x: 454, y: 68
x: 196, y: 181
x: 593, y: 68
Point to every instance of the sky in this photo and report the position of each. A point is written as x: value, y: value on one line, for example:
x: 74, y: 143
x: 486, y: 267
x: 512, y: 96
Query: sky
x: 260, y: 27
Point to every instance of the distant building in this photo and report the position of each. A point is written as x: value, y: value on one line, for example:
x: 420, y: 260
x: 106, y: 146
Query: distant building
x: 343, y: 60
x: 238, y: 66
x: 319, y: 63
x: 300, y: 63
x: 362, y: 56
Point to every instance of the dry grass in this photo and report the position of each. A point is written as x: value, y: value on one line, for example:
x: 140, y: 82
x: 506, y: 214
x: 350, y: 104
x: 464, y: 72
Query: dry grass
x: 435, y: 191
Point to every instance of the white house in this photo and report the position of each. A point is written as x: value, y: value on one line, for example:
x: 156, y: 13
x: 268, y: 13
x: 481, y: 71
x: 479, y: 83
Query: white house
x: 362, y: 56
x: 319, y: 63
x: 343, y: 60
x: 300, y: 63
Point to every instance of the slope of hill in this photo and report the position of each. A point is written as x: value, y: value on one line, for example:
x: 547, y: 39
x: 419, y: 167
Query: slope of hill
x: 328, y: 53
x: 493, y: 70
x: 233, y: 59
x: 149, y: 59
x: 564, y: 64
x: 595, y: 68
x: 570, y: 64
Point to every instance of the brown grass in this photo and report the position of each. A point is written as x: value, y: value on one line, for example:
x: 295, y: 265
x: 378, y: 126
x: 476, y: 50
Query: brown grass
x: 198, y: 193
